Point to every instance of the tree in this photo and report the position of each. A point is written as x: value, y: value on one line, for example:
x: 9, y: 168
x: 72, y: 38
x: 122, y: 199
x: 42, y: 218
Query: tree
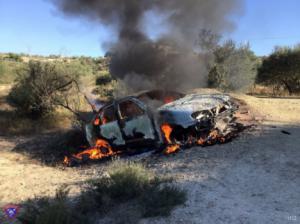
x: 281, y: 69
x: 42, y: 87
x: 233, y: 68
x: 14, y: 57
x: 208, y: 40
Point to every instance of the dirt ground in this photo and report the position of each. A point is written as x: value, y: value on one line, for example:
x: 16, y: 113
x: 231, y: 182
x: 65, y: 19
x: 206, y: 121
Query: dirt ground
x: 253, y: 179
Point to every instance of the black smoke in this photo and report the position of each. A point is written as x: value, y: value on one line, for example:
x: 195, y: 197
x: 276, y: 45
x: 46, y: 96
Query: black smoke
x: 170, y: 60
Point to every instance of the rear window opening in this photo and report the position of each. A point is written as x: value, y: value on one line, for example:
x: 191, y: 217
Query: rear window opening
x: 129, y: 109
x: 157, y: 98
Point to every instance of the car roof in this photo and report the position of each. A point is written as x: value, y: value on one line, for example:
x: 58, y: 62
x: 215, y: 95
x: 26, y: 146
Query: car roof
x: 117, y: 100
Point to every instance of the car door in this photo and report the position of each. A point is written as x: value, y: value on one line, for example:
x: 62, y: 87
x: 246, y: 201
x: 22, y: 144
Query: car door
x: 135, y: 122
x: 109, y: 126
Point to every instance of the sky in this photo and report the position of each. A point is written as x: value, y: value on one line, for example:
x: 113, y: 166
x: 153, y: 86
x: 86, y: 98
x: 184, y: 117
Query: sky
x: 35, y: 27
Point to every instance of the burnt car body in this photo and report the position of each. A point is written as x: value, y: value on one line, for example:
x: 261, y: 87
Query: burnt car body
x: 135, y: 121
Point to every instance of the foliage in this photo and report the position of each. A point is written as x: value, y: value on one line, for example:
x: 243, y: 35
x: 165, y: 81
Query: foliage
x: 104, y: 93
x: 84, y: 66
x: 127, y: 181
x: 89, y: 66
x: 104, y: 80
x: 231, y: 67
x: 2, y: 69
x: 234, y: 67
x: 161, y: 201
x: 41, y: 87
x: 9, y: 70
x: 106, y: 86
x: 14, y: 57
x: 12, y: 123
x: 281, y: 69
x: 129, y: 192
x: 133, y: 182
x: 208, y: 40
x: 47, y: 211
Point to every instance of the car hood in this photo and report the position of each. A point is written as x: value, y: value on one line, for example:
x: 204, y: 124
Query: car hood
x: 179, y: 112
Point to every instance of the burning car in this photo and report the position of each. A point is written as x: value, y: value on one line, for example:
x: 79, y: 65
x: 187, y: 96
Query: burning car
x: 143, y: 119
x: 164, y: 120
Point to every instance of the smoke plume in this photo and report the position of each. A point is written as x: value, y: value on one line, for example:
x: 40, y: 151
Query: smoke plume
x: 169, y: 60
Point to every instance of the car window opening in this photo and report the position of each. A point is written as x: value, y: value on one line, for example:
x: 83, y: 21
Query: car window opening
x: 129, y: 109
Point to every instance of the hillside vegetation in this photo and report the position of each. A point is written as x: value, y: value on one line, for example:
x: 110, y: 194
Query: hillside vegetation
x: 43, y: 85
x: 49, y: 90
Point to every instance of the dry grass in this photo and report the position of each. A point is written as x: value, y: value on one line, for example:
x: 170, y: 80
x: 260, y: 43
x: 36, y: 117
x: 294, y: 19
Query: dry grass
x: 130, y: 189
x: 268, y: 109
x: 12, y: 123
x: 269, y: 91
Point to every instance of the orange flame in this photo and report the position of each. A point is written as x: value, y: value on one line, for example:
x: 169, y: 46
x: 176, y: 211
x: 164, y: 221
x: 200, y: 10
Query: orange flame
x: 212, y: 138
x: 172, y: 148
x: 167, y: 130
x: 214, y: 134
x: 66, y: 160
x: 168, y: 99
x: 97, y: 121
x: 201, y: 141
x: 102, y: 149
x: 104, y: 120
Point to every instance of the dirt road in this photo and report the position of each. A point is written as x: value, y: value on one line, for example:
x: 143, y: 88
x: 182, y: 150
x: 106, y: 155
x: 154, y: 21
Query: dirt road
x: 253, y: 179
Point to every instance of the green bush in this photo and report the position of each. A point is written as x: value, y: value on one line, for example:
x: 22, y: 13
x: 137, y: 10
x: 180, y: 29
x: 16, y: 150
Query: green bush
x: 47, y: 211
x: 104, y: 80
x: 281, y: 70
x: 231, y: 67
x: 106, y: 93
x: 133, y: 182
x: 128, y: 181
x: 41, y: 87
x: 234, y: 67
x: 126, y: 194
x: 9, y: 70
x: 161, y: 201
x: 14, y: 57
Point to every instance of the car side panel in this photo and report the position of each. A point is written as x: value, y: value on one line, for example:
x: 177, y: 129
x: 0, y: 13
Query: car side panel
x: 112, y: 132
x: 140, y: 125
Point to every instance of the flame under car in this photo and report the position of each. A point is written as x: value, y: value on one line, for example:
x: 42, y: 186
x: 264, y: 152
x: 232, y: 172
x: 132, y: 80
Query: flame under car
x: 163, y: 120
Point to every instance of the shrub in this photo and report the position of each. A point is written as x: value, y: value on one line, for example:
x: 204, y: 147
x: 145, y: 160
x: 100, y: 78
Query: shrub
x: 234, y: 67
x: 161, y: 201
x: 14, y: 57
x: 128, y: 181
x: 105, y: 93
x: 125, y: 181
x: 2, y: 69
x: 9, y: 70
x: 281, y: 70
x: 133, y: 182
x: 230, y: 66
x: 47, y: 211
x: 104, y: 80
x: 41, y: 87
x: 128, y: 193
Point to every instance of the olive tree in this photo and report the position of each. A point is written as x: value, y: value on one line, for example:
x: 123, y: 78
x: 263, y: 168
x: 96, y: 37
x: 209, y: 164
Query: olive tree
x: 230, y: 66
x: 281, y: 69
x: 234, y: 67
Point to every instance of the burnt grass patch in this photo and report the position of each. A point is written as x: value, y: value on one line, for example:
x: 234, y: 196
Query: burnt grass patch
x: 126, y: 194
x: 50, y: 148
